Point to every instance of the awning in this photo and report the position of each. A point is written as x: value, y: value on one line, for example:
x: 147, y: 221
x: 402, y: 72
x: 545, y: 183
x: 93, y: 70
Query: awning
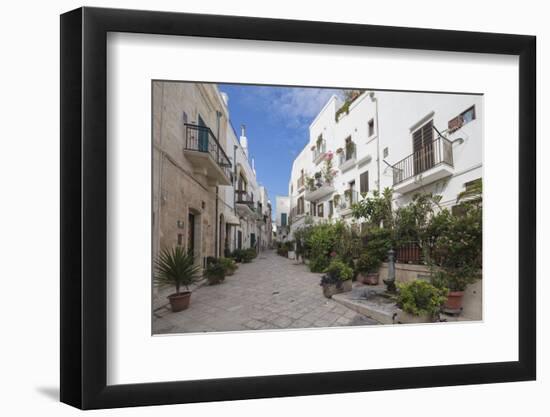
x: 232, y: 219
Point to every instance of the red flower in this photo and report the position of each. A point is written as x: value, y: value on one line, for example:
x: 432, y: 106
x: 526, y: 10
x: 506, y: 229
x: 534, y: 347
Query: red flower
x: 332, y: 254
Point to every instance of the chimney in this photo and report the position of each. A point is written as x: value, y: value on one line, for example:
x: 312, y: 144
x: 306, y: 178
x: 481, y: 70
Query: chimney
x: 243, y: 141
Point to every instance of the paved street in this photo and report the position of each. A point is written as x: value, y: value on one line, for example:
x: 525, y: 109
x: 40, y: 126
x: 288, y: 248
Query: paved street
x: 272, y: 292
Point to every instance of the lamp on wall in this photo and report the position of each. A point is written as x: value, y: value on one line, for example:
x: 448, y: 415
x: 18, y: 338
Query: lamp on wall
x: 179, y: 223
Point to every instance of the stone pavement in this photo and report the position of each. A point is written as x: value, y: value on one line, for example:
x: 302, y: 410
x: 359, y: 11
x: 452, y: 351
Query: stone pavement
x: 272, y: 292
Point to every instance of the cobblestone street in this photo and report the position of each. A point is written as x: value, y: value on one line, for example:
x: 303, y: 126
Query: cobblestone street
x: 272, y: 292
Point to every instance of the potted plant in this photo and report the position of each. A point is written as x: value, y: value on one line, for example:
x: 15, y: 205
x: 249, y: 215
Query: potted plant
x: 455, y: 281
x: 310, y: 181
x: 176, y: 268
x: 337, y: 278
x: 229, y: 265
x: 336, y: 200
x: 367, y: 269
x: 419, y: 301
x: 339, y: 150
x: 214, y: 272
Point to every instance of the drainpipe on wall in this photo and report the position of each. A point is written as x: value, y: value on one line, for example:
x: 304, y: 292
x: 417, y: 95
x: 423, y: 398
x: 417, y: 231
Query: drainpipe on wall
x: 217, y: 225
x: 375, y: 101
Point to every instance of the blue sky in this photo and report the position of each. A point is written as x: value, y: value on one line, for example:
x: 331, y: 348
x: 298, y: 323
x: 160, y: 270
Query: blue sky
x: 277, y: 121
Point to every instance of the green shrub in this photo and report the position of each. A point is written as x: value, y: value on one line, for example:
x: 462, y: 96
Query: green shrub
x: 368, y: 263
x: 248, y: 255
x: 321, y: 242
x: 214, y: 272
x: 228, y: 265
x: 420, y: 297
x: 338, y: 269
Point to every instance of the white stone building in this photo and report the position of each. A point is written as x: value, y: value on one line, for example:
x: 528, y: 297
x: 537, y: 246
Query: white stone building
x: 411, y: 142
x: 282, y: 209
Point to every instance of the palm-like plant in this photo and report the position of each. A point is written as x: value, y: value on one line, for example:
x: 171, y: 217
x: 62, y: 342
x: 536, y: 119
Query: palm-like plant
x: 177, y: 268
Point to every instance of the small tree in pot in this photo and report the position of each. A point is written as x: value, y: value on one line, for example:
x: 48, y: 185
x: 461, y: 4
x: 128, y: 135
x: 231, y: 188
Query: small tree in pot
x: 176, y: 268
x: 367, y: 269
x: 337, y: 278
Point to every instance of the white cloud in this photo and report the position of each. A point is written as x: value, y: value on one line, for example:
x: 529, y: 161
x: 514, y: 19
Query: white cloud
x: 297, y: 107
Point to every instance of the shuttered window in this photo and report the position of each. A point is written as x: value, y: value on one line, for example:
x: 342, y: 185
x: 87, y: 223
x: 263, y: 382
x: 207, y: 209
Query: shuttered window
x: 364, y: 182
x: 423, y: 157
x: 320, y: 210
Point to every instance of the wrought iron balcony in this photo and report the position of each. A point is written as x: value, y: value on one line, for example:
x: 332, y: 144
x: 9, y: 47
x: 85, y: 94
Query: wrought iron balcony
x: 244, y: 203
x: 319, y: 189
x: 205, y: 152
x: 347, y: 157
x: 319, y: 152
x: 433, y: 162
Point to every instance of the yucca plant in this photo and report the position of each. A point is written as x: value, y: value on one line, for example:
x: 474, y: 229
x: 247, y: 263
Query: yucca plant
x: 177, y: 268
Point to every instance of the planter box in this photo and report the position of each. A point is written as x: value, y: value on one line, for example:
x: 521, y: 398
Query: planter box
x: 331, y: 289
x: 403, y: 317
x: 291, y: 254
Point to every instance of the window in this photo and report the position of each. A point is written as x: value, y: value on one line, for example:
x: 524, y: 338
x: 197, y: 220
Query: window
x: 364, y: 182
x: 423, y: 148
x: 312, y: 208
x: 371, y: 127
x: 468, y: 115
x: 330, y: 208
x: 465, y: 117
x: 320, y: 210
x: 283, y: 219
x: 301, y: 205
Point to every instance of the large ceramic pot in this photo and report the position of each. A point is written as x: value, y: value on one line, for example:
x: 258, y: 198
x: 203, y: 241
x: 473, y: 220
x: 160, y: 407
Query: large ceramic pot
x: 179, y: 302
x: 454, y: 301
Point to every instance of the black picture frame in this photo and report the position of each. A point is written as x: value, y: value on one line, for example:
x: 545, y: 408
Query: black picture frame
x: 84, y: 207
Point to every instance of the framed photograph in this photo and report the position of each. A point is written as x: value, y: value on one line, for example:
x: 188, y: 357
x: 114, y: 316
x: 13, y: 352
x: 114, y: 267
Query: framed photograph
x: 258, y: 208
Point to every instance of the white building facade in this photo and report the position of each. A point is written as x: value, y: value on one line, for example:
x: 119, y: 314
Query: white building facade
x: 410, y: 142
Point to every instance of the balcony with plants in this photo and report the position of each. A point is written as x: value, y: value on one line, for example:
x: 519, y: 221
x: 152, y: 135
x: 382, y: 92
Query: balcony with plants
x: 206, y: 154
x: 347, y: 156
x: 319, y: 150
x: 430, y: 163
x: 244, y: 204
x: 345, y: 202
x: 322, y: 183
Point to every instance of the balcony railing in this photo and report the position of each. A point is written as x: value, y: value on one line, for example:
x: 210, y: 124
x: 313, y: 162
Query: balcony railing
x: 243, y: 197
x: 319, y: 152
x: 350, y: 197
x: 201, y: 139
x: 346, y: 158
x: 440, y: 151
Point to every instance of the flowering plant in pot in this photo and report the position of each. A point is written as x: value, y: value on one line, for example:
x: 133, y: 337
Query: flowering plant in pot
x: 419, y: 301
x: 367, y: 269
x: 337, y: 278
x: 176, y: 268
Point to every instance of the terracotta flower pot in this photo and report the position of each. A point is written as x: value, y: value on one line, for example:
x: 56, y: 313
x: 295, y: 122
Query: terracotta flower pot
x: 454, y: 301
x: 180, y: 301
